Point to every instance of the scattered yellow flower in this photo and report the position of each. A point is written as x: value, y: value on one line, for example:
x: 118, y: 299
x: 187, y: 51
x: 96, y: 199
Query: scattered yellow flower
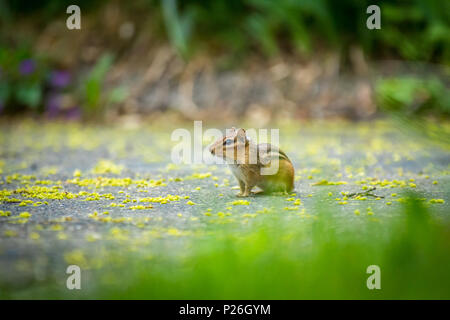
x: 34, y: 236
x: 25, y: 215
x: 240, y: 202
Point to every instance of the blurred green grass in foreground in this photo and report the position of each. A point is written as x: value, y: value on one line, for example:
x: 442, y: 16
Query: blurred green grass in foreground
x: 282, y: 259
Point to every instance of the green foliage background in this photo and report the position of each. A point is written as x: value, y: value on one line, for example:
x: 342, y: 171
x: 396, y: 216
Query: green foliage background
x: 411, y: 29
x: 240, y: 30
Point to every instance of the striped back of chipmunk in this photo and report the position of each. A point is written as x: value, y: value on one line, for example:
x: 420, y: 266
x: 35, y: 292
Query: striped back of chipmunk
x: 267, y: 152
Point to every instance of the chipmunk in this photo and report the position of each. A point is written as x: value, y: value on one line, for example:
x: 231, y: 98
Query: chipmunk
x: 247, y: 161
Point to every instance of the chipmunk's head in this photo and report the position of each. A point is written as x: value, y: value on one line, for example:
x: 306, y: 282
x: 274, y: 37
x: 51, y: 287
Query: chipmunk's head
x: 231, y: 146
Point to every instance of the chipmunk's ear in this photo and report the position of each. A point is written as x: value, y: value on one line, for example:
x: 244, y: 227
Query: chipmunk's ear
x: 231, y: 131
x: 241, y: 136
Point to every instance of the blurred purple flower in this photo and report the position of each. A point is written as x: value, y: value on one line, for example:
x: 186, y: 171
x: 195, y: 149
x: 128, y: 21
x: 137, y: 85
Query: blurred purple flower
x: 60, y: 79
x: 27, y: 66
x: 53, y: 105
x: 74, y: 113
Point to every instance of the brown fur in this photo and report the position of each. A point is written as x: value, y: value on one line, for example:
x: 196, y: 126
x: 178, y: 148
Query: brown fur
x: 247, y: 159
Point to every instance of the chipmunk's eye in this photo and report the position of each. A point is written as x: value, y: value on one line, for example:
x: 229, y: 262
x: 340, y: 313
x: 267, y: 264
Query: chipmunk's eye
x: 228, y: 142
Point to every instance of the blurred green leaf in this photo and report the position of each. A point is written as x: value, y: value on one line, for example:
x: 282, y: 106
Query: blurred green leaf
x: 118, y: 95
x: 413, y: 95
x: 5, y: 91
x: 178, y: 26
x: 94, y: 82
x: 29, y: 94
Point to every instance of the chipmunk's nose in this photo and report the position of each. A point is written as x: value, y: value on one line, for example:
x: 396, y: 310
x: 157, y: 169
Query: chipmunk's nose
x: 212, y: 150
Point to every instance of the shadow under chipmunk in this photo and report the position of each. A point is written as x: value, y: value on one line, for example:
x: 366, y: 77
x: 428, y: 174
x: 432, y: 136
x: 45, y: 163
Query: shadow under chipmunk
x: 250, y: 162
